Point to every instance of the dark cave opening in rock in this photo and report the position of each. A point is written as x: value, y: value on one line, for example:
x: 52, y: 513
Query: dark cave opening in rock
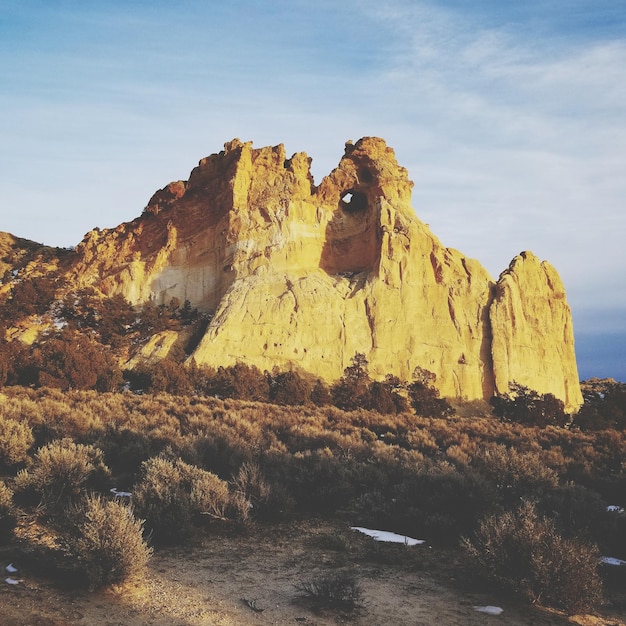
x: 353, y: 201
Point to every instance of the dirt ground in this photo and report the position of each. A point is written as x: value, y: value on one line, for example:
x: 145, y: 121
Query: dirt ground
x: 249, y: 578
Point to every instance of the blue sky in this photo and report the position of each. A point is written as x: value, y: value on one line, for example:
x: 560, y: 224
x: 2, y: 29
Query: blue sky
x: 510, y: 117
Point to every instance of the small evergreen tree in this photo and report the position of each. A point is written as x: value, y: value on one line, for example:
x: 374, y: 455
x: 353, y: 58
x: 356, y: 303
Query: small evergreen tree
x: 526, y: 406
x: 289, y: 388
x: 424, y: 396
x: 352, y: 390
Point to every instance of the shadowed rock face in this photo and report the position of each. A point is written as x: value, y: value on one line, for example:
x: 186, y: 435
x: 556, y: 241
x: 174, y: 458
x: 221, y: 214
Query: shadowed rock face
x: 300, y: 276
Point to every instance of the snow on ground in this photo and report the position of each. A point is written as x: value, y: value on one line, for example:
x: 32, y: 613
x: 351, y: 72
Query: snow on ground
x: 387, y: 536
x: 490, y: 610
x: 611, y: 560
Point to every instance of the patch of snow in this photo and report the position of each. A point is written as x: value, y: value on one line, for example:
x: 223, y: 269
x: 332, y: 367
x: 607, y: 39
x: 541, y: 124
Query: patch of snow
x: 12, y: 581
x: 121, y: 494
x: 9, y: 568
x: 59, y: 323
x: 614, y: 508
x: 388, y: 537
x: 490, y: 610
x: 611, y: 560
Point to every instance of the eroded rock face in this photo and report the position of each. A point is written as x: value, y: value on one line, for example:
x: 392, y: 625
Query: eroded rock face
x: 304, y: 277
x: 533, y: 336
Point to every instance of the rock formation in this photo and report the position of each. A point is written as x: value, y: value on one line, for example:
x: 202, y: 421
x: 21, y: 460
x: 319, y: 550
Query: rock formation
x: 304, y: 276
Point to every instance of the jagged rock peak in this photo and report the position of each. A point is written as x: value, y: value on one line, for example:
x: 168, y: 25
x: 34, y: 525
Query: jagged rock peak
x: 304, y: 276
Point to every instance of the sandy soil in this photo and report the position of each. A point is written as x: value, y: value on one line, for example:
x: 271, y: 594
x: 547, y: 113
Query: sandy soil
x: 221, y: 579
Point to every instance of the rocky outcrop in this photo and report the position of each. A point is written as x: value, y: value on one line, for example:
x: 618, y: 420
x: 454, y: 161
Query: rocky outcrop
x: 304, y: 276
x: 533, y: 336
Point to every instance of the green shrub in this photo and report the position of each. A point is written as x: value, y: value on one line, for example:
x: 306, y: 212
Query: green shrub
x: 524, y: 552
x: 8, y: 514
x: 173, y: 494
x: 61, y: 471
x: 110, y: 544
x: 16, y: 438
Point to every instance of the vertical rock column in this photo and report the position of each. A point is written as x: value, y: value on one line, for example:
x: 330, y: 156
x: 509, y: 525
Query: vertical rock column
x: 533, y: 337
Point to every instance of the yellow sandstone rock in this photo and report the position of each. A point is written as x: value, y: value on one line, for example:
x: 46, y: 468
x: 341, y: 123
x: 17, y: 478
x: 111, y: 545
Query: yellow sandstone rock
x: 300, y: 276
x: 533, y: 336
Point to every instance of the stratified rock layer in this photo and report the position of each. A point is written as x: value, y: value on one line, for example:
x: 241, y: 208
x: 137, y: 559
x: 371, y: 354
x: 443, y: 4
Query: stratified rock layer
x: 300, y: 276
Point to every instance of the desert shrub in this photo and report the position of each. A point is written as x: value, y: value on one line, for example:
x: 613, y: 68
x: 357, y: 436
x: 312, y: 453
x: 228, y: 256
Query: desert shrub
x: 8, y: 513
x: 515, y: 473
x: 318, y: 480
x: 577, y: 510
x: 612, y: 534
x: 525, y: 553
x: 125, y: 449
x: 172, y: 494
x: 16, y: 438
x: 109, y: 542
x: 334, y: 590
x: 221, y: 452
x: 437, y: 502
x: 526, y: 406
x: 61, y: 471
x: 447, y: 503
x: 254, y: 490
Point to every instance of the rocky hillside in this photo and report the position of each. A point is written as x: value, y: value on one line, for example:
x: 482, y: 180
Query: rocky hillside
x: 302, y: 277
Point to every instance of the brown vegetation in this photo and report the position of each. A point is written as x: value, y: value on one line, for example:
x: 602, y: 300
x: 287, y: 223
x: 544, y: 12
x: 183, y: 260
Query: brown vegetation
x: 192, y: 463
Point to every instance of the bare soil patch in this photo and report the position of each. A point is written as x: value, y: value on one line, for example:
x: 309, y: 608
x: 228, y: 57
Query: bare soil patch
x: 249, y: 577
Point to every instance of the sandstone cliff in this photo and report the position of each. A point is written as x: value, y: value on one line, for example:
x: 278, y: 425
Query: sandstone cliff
x: 304, y: 276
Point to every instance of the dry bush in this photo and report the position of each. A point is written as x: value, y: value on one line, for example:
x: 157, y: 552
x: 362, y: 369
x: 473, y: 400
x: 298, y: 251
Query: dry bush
x: 578, y: 511
x: 515, y: 473
x: 334, y: 590
x: 173, y: 494
x: 61, y: 471
x: 435, y: 501
x: 8, y: 513
x: 110, y: 546
x: 16, y: 438
x: 525, y: 553
x: 253, y: 490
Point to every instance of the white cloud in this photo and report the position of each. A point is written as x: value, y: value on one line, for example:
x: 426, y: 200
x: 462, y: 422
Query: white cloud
x: 514, y: 135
